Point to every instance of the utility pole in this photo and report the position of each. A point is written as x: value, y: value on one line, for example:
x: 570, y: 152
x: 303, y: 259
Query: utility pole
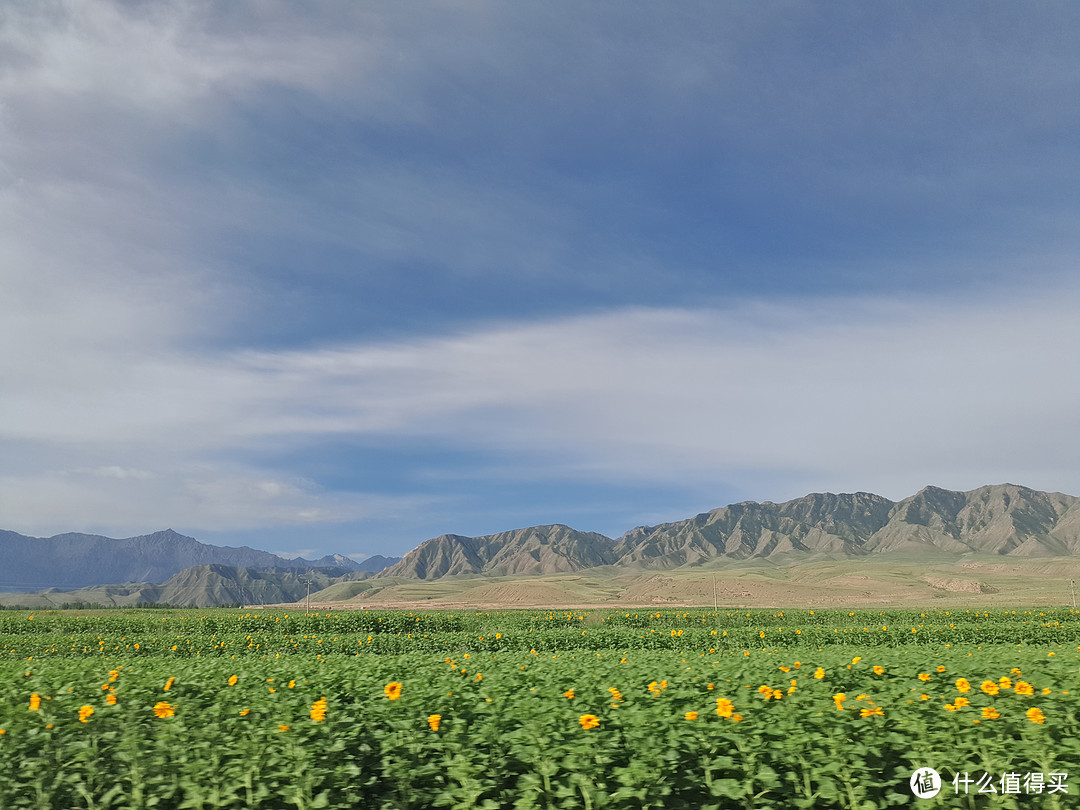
x: 307, y: 599
x: 714, y: 607
x: 1072, y: 589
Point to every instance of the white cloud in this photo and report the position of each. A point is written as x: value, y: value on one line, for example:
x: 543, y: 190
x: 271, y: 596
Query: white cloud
x: 163, y: 57
x: 123, y: 473
x: 835, y: 387
x: 838, y: 394
x: 179, y: 494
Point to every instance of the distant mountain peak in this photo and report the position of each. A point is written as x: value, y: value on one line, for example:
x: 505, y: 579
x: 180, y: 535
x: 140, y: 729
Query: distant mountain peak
x: 996, y: 519
x: 76, y: 560
x: 554, y: 548
x: 1000, y: 519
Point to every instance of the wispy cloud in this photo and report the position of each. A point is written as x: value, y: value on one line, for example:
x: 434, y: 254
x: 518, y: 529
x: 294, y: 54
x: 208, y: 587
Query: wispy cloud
x: 181, y: 493
x: 778, y: 244
x: 846, y: 393
x: 861, y: 391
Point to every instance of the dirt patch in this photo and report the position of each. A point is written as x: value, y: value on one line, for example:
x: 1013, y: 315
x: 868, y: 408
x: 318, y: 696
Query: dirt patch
x: 959, y: 585
x: 516, y: 594
x: 1057, y: 568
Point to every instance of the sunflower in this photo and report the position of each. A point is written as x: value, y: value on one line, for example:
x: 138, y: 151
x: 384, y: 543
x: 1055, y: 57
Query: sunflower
x: 724, y: 707
x: 318, y: 710
x: 990, y: 713
x: 990, y: 687
x: 163, y: 709
x: 233, y: 680
x: 35, y: 702
x: 1036, y: 716
x: 392, y: 690
x: 691, y: 715
x: 589, y: 721
x: 962, y: 685
x: 87, y: 710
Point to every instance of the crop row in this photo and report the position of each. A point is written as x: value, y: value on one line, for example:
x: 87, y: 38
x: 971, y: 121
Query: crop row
x: 837, y: 727
x: 394, y: 621
x: 232, y: 634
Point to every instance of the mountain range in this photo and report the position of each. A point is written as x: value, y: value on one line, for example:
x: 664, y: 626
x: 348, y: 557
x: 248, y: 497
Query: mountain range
x: 198, y: 586
x: 1004, y: 520
x: 82, y: 560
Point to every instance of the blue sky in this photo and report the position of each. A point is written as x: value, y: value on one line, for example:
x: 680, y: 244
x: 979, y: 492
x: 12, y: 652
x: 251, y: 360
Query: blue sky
x: 344, y: 278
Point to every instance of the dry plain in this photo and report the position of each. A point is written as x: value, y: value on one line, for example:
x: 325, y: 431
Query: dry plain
x: 900, y: 582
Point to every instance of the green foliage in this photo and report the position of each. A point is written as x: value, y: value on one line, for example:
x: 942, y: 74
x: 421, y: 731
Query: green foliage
x: 510, y: 689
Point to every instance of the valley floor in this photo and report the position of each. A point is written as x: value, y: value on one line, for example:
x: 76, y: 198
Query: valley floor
x: 822, y: 584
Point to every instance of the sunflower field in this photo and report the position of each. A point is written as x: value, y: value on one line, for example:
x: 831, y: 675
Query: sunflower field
x: 544, y: 709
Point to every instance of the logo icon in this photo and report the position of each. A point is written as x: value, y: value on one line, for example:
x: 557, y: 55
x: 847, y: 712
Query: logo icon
x: 925, y: 783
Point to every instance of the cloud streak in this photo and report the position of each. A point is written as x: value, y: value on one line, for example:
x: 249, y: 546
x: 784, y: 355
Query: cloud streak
x: 843, y: 393
x: 182, y: 493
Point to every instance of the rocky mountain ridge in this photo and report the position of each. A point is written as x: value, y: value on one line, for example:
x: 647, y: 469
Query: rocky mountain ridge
x: 74, y: 560
x: 522, y: 552
x: 1004, y: 519
x: 197, y: 586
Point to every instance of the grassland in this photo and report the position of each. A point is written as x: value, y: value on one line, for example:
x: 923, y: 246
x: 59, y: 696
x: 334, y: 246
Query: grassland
x: 610, y: 708
x: 822, y: 583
